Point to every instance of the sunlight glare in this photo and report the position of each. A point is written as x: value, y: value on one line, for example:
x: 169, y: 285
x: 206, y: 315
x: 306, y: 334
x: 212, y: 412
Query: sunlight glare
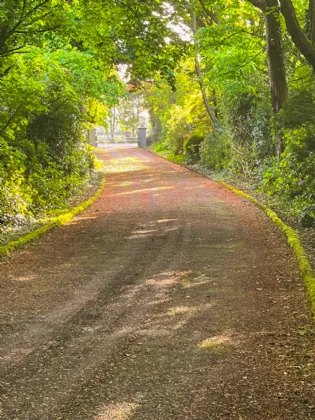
x: 118, y: 411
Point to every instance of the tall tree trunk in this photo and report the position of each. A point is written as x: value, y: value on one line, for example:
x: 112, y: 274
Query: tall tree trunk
x: 204, y: 95
x: 277, y: 74
x: 311, y: 18
x: 156, y: 125
x: 112, y: 124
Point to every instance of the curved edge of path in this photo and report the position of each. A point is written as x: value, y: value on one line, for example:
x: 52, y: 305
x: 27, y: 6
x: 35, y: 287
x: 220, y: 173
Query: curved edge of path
x: 169, y: 298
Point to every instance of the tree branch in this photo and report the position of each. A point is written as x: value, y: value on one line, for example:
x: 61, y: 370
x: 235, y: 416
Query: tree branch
x: 12, y: 116
x: 4, y: 54
x: 23, y: 9
x: 260, y: 4
x: 304, y: 45
x: 199, y: 76
x: 26, y: 16
x: 52, y: 28
x: 6, y: 71
x: 208, y: 12
x: 245, y: 64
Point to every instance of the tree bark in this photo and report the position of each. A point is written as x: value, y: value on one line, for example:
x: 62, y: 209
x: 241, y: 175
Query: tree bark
x: 156, y: 125
x: 300, y: 39
x: 311, y: 17
x: 279, y: 89
x: 277, y: 74
x: 112, y: 125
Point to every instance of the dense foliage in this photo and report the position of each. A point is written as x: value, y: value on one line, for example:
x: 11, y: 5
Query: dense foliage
x: 49, y: 92
x: 228, y: 85
x: 248, y: 89
x: 58, y: 77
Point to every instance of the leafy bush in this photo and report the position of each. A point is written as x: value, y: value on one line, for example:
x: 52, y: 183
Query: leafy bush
x: 215, y: 150
x: 44, y: 158
x: 292, y: 178
x: 15, y: 197
x: 192, y: 146
x: 251, y: 134
x: 162, y: 150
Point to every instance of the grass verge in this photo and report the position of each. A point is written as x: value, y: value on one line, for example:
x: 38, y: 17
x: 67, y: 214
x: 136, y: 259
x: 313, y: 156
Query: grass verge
x: 52, y: 223
x: 161, y: 151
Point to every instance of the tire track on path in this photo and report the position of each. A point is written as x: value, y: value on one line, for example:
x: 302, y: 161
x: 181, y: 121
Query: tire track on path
x: 170, y: 298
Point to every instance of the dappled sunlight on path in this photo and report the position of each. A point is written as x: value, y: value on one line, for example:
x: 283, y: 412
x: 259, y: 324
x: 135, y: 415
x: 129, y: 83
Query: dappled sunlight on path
x: 121, y: 161
x: 158, y: 302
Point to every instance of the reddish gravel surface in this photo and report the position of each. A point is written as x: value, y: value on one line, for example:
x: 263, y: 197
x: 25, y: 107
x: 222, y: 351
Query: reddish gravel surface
x: 170, y: 298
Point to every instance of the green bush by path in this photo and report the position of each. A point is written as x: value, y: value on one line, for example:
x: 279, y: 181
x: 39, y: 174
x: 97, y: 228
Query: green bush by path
x: 50, y: 224
x: 192, y: 146
x: 47, y: 101
x: 215, y: 150
x: 162, y: 150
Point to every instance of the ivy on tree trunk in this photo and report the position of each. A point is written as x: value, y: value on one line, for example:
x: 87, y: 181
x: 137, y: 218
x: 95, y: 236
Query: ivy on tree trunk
x: 276, y: 66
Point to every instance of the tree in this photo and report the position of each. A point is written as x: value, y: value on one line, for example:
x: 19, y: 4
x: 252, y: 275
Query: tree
x: 28, y: 22
x: 303, y: 39
x: 277, y: 73
x: 129, y: 112
x: 210, y: 112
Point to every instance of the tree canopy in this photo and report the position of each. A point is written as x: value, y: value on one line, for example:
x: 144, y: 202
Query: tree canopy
x: 237, y: 75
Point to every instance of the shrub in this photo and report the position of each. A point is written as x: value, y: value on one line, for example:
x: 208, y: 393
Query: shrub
x: 215, y: 150
x: 192, y: 146
x: 292, y: 178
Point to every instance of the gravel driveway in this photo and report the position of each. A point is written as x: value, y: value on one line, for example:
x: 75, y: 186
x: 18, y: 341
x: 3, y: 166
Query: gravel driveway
x: 169, y: 298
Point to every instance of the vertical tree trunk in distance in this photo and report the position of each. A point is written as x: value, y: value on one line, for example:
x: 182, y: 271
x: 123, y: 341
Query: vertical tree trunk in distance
x: 199, y: 76
x: 112, y: 125
x: 156, y: 125
x: 277, y: 74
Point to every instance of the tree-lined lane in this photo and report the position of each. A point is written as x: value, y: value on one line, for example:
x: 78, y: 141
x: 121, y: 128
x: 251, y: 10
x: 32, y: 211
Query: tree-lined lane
x: 169, y: 298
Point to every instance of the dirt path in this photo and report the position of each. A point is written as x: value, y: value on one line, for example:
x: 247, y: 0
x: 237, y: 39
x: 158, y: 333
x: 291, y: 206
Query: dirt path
x: 170, y: 298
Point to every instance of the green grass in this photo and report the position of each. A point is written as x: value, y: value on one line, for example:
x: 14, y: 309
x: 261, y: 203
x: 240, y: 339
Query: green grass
x: 161, y: 150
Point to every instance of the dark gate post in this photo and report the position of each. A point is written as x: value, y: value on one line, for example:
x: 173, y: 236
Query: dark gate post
x: 142, y: 137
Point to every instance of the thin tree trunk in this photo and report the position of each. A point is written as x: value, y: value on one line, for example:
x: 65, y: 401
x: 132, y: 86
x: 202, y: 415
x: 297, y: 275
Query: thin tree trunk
x: 214, y: 95
x: 112, y: 125
x: 277, y: 74
x: 199, y: 76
